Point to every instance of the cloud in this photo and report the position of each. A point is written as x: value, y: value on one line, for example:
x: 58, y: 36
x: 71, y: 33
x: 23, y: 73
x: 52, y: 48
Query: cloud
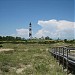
x: 21, y: 33
x: 54, y: 29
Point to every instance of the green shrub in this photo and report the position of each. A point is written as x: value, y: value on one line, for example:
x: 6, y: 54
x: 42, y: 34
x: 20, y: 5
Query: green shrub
x: 5, y: 68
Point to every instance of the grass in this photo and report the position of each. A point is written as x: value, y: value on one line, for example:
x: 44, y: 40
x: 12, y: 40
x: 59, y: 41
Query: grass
x: 28, y: 59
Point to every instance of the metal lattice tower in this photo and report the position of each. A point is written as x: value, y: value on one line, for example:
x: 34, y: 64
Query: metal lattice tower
x: 30, y: 31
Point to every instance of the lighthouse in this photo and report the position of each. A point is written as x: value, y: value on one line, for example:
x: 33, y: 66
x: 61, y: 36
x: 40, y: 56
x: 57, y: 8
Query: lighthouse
x: 30, y: 31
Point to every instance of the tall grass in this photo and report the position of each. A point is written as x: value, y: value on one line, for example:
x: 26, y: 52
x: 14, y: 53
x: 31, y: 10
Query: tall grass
x: 28, y: 59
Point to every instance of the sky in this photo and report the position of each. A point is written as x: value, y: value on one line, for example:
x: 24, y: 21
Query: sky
x: 53, y: 18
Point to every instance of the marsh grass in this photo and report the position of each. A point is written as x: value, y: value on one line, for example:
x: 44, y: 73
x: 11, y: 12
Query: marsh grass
x: 28, y: 59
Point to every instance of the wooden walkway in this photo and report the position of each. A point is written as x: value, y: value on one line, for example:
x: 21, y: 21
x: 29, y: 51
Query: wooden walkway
x: 65, y: 56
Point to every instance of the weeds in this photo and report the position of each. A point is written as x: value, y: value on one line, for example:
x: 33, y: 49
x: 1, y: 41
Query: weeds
x: 30, y: 59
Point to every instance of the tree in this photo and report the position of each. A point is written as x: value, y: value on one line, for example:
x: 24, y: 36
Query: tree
x: 18, y: 38
x: 0, y: 38
x: 47, y: 38
x: 65, y: 40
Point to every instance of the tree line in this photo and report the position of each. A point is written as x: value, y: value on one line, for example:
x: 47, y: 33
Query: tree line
x: 11, y: 38
x: 47, y: 39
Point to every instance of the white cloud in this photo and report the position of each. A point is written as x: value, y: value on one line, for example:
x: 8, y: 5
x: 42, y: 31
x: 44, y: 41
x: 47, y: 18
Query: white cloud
x: 65, y: 25
x: 21, y: 33
x: 54, y: 29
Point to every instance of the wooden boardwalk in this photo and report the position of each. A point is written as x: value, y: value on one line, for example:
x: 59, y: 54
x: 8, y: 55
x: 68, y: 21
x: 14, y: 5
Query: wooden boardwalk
x: 65, y: 56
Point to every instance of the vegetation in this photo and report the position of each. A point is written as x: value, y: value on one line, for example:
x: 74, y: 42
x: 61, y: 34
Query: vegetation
x: 10, y: 38
x: 28, y: 59
x: 42, y: 40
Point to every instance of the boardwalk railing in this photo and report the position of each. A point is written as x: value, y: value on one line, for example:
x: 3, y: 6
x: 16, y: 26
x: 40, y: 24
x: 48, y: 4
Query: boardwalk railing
x: 65, y: 56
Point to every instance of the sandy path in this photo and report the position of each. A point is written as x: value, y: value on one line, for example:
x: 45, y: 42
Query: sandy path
x: 5, y: 49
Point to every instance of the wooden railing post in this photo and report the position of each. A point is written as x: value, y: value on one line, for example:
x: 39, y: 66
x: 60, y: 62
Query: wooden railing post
x: 56, y: 53
x: 67, y: 62
x: 59, y: 55
x: 63, y: 58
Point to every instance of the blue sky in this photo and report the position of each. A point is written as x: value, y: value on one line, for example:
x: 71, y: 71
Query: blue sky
x: 15, y: 16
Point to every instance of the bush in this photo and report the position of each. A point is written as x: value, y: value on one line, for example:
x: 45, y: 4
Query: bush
x: 5, y: 69
x: 1, y: 46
